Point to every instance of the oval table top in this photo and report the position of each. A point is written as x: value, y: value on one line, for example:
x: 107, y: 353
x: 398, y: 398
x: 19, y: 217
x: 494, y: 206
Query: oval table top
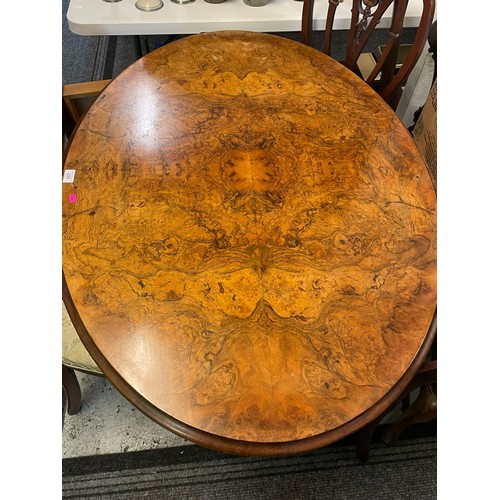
x: 249, y: 243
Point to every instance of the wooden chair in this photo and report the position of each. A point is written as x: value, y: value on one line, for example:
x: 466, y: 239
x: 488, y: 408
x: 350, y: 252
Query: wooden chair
x: 76, y: 100
x: 387, y: 69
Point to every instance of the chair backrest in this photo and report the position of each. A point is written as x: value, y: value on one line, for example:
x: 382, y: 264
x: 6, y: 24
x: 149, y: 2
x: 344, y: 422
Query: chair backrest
x: 388, y: 74
x: 76, y: 100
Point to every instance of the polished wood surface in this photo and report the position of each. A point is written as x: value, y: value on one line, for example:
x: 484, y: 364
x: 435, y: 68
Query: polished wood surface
x: 251, y: 256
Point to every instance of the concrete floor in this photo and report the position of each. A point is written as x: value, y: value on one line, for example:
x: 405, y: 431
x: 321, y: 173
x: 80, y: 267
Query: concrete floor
x: 108, y: 423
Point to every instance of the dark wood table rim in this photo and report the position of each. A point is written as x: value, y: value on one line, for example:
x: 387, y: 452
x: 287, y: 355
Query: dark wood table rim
x: 234, y: 446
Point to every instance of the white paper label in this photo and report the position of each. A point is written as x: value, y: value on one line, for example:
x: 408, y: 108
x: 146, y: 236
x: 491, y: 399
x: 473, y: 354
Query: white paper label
x: 69, y: 176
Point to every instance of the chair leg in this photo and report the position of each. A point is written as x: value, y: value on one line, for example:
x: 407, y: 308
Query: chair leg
x: 72, y: 389
x: 422, y: 410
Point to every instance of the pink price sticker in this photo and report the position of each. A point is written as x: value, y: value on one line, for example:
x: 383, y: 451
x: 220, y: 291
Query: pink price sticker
x: 72, y: 198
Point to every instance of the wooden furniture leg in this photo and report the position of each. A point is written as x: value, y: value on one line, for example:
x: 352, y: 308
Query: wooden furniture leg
x: 422, y: 410
x: 72, y: 389
x: 364, y: 439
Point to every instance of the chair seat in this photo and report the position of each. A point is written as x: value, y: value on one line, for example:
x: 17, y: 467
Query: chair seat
x: 74, y: 353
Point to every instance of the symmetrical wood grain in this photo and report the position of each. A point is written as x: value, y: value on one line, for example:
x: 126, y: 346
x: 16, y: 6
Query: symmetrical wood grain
x: 253, y: 244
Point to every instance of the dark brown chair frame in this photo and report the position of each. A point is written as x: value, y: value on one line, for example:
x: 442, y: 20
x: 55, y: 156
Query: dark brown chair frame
x: 363, y: 22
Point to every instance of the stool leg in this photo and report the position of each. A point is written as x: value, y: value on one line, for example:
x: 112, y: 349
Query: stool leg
x: 72, y: 389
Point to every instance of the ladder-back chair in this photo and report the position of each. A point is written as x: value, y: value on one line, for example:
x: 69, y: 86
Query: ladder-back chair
x: 388, y: 73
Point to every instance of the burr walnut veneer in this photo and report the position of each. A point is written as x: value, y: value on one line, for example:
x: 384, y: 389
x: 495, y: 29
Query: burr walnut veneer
x: 251, y: 255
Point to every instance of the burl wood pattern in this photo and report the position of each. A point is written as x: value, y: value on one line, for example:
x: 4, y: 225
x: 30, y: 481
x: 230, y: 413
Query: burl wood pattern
x: 253, y: 244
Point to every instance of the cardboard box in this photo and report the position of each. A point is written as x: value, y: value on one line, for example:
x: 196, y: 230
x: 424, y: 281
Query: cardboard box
x: 425, y: 131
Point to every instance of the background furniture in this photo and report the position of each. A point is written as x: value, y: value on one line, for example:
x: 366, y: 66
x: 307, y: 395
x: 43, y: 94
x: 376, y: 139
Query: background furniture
x: 386, y: 68
x: 432, y: 41
x: 76, y: 100
x: 97, y: 17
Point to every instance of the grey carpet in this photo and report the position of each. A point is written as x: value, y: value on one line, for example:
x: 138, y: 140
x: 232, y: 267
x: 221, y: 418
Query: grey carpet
x: 407, y: 470
x: 82, y: 57
x: 89, y: 58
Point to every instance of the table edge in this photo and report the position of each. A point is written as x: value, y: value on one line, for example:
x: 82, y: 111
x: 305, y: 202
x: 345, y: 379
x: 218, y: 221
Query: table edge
x: 233, y: 446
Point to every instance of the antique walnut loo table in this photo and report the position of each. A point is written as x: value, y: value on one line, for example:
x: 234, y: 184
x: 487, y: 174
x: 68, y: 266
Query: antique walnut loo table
x: 249, y: 243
